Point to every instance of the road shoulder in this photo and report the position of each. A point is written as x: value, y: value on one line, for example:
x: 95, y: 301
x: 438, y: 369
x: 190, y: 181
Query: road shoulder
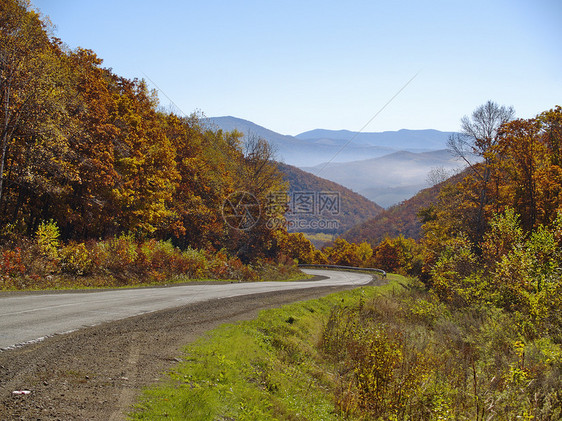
x: 96, y: 373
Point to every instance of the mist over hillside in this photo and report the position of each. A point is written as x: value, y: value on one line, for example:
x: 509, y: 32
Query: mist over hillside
x: 389, y: 179
x: 402, y: 218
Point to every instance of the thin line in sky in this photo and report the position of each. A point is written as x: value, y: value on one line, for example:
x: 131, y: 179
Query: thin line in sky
x: 174, y: 104
x: 164, y: 93
x: 366, y: 124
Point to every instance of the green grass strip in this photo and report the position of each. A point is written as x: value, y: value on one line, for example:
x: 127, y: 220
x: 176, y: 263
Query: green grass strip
x: 265, y: 369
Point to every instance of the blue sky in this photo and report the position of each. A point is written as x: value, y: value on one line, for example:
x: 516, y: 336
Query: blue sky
x: 293, y: 66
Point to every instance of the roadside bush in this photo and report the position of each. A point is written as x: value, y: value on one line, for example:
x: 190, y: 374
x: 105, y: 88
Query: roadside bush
x: 276, y: 270
x: 410, y: 357
x: 239, y: 271
x: 159, y: 260
x: 11, y: 268
x: 75, y: 259
x: 45, y: 262
x: 122, y: 253
x: 196, y: 261
x: 449, y: 274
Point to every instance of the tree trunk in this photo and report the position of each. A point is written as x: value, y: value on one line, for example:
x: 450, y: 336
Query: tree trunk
x: 5, y: 137
x: 480, y: 217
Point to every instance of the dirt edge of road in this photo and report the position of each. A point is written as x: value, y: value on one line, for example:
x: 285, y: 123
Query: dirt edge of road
x: 97, y: 372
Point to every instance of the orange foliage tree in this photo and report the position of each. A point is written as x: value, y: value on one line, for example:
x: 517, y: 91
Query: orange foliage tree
x: 93, y: 152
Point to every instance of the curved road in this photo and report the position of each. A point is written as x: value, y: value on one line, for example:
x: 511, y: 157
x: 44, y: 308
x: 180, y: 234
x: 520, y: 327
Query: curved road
x: 26, y: 318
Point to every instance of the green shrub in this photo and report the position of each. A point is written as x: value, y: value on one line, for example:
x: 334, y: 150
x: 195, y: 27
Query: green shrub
x: 75, y: 259
x: 47, y: 236
x: 411, y: 357
x: 197, y: 262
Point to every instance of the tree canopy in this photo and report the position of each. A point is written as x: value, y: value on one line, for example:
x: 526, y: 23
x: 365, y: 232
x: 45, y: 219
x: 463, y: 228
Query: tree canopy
x: 93, y: 152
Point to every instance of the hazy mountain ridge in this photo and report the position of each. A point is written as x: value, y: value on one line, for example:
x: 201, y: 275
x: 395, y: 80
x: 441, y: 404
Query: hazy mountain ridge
x: 315, y: 147
x: 386, y: 167
x: 229, y: 123
x: 404, y: 139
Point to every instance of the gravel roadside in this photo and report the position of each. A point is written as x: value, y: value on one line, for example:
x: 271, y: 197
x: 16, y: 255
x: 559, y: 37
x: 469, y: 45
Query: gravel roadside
x: 97, y: 372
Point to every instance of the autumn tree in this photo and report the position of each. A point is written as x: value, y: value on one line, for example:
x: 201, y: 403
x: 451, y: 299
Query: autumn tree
x: 35, y: 167
x: 144, y: 159
x: 92, y: 204
x: 522, y: 157
x: 398, y: 254
x: 258, y: 176
x: 528, y: 156
x: 551, y: 134
x: 206, y: 162
x: 22, y: 41
x: 479, y: 133
x: 296, y: 246
x: 349, y: 254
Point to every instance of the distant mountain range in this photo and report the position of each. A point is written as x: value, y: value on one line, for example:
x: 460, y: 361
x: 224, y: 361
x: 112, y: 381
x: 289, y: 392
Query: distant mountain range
x: 401, y: 140
x: 386, y: 167
x: 317, y: 146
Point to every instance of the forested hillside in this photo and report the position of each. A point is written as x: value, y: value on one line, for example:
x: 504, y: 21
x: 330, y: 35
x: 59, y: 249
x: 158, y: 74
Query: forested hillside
x: 87, y: 155
x: 90, y: 150
x: 404, y: 218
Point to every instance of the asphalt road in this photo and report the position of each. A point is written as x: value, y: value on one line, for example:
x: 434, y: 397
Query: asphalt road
x: 27, y: 318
